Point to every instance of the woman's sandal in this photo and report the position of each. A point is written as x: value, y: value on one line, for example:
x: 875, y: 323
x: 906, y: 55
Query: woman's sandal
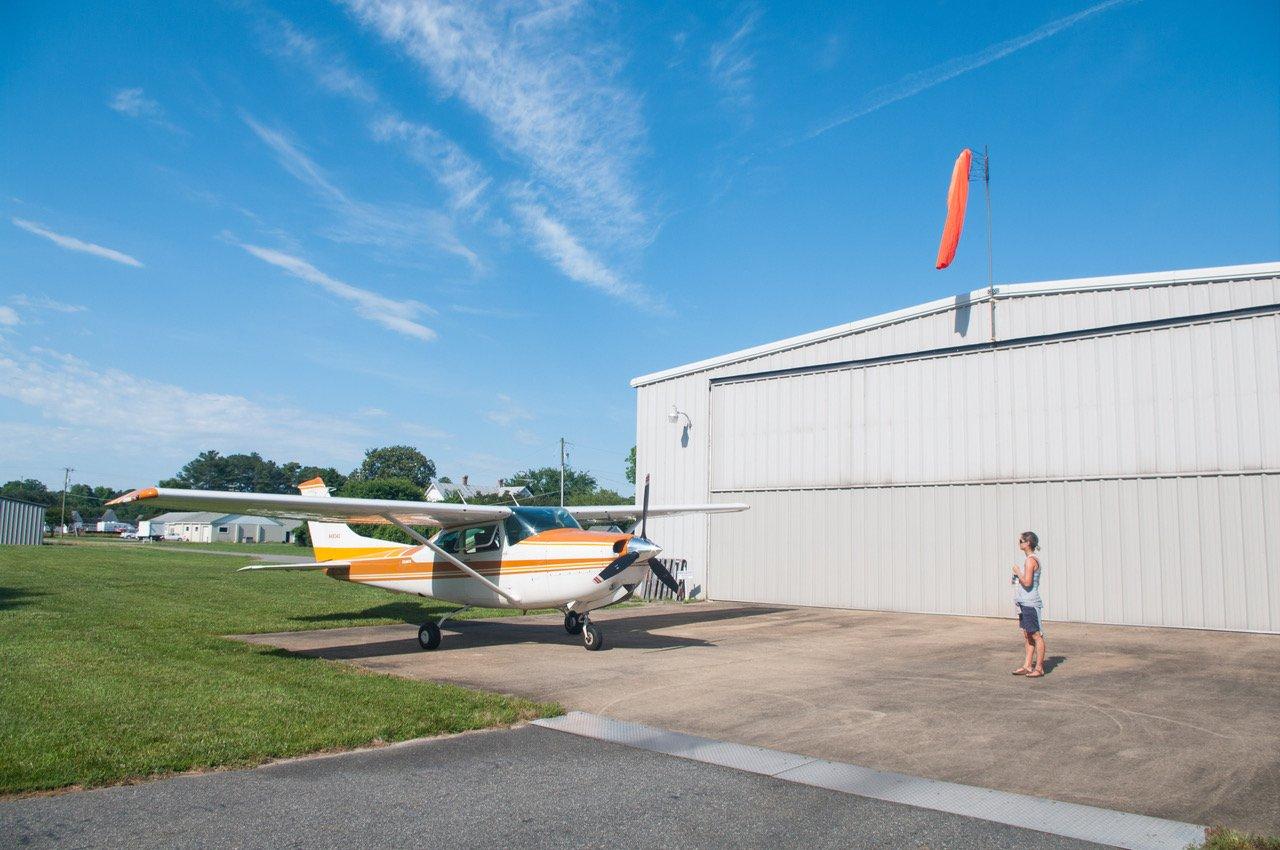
x: 1021, y: 671
x: 1035, y: 674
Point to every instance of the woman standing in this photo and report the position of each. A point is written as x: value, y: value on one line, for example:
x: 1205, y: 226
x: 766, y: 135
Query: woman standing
x: 1026, y: 595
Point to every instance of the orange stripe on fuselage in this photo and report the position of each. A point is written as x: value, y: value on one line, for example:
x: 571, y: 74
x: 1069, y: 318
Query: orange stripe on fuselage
x: 557, y: 536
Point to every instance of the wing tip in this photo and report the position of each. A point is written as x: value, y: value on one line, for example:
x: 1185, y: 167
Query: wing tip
x: 135, y: 496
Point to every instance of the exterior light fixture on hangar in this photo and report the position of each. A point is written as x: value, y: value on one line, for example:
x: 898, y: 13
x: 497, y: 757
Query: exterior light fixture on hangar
x: 890, y: 463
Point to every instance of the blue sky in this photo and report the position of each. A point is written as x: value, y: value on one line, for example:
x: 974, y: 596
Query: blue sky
x: 308, y: 229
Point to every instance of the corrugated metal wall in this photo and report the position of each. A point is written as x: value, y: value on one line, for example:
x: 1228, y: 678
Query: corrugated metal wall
x: 930, y: 415
x: 21, y: 523
x: 1183, y: 398
x: 1195, y: 551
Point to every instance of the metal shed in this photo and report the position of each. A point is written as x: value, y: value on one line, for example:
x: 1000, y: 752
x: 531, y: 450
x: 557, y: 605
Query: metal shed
x: 890, y: 463
x: 21, y: 522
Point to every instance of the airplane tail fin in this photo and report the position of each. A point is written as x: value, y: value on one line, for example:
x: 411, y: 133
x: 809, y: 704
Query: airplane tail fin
x: 335, y: 540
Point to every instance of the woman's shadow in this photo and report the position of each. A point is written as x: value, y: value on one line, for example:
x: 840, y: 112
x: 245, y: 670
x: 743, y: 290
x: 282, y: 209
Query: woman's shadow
x: 1051, y: 663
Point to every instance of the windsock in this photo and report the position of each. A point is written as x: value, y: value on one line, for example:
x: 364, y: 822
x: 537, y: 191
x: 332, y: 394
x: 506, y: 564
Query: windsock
x: 957, y: 199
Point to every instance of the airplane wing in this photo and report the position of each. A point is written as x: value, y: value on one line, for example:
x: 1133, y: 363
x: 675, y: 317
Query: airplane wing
x: 624, y: 513
x: 322, y: 508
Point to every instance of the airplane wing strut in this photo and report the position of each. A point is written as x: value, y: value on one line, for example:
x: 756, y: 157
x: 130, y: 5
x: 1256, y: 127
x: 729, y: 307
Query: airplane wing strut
x: 505, y: 594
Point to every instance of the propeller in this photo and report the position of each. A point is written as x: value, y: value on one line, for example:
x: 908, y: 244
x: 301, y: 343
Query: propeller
x: 638, y: 546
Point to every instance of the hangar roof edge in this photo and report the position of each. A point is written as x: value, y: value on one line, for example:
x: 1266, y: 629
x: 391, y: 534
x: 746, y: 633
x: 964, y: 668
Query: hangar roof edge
x: 1122, y: 281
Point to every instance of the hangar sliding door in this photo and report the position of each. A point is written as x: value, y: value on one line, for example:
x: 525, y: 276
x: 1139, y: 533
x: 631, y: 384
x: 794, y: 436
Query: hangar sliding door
x: 1147, y: 459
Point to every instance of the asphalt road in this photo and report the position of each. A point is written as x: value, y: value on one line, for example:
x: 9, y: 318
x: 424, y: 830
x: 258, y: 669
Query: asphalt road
x: 527, y: 787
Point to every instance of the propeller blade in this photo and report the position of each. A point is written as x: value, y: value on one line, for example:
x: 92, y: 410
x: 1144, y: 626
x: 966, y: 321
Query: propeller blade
x: 644, y: 513
x: 664, y: 575
x: 616, y: 566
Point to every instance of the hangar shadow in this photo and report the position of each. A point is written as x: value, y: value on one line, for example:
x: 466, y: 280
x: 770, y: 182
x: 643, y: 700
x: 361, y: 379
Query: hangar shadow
x: 621, y: 632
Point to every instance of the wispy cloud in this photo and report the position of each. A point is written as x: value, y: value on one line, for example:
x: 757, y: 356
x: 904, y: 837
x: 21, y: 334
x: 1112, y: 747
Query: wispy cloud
x: 508, y: 413
x: 9, y: 317
x: 84, y: 402
x: 553, y: 101
x: 461, y: 176
x: 395, y: 227
x: 390, y: 313
x: 43, y: 302
x: 731, y: 60
x: 557, y: 243
x: 135, y: 103
x: 327, y: 66
x: 73, y: 244
x: 913, y: 84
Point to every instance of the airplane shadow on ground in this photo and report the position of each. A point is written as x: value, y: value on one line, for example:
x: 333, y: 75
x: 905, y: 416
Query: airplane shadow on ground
x: 13, y: 597
x: 405, y: 612
x: 620, y: 632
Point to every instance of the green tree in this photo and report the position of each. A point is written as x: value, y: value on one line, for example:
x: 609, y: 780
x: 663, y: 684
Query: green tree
x: 29, y: 490
x: 398, y: 489
x: 241, y: 473
x: 544, y: 483
x: 397, y: 462
x: 631, y: 466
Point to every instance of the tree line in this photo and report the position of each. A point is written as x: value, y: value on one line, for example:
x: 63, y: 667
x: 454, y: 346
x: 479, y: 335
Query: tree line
x: 390, y: 472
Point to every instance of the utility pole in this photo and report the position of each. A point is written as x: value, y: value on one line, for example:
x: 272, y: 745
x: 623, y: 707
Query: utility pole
x: 66, y: 479
x: 562, y: 472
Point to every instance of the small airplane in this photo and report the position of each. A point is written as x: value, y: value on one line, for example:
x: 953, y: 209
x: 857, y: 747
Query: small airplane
x: 493, y: 556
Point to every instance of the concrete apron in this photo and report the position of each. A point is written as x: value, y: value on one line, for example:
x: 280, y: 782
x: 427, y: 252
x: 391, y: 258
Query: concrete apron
x: 1168, y: 723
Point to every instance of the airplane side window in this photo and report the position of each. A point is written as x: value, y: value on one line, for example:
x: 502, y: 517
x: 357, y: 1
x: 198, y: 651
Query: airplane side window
x: 448, y: 542
x: 483, y: 539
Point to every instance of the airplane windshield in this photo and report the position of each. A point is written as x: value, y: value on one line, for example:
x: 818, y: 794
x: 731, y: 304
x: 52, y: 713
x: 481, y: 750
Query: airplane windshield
x: 525, y: 522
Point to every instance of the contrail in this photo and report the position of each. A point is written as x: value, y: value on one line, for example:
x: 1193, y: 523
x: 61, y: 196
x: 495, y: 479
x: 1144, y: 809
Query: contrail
x: 917, y: 82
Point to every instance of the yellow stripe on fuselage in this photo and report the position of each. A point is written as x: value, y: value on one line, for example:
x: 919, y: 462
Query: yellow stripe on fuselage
x: 333, y: 553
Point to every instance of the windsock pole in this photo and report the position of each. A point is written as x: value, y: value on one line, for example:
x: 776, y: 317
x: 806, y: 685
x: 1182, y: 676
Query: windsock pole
x: 991, y: 280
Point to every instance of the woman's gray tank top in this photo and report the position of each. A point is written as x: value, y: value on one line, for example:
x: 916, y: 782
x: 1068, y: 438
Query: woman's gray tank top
x: 1030, y: 596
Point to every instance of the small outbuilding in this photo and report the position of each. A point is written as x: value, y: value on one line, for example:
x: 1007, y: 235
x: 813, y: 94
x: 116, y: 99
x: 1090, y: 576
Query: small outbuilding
x: 212, y: 527
x: 21, y: 522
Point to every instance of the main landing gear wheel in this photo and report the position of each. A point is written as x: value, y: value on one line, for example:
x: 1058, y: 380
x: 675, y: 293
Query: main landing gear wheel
x: 573, y: 623
x: 429, y: 635
x: 592, y: 637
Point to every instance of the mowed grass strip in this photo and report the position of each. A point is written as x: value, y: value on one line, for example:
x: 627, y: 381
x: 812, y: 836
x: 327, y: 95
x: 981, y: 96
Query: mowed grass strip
x: 114, y: 667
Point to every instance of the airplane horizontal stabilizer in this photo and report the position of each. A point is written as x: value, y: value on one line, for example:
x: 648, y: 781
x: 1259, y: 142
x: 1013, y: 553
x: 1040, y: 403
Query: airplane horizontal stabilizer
x: 316, y: 566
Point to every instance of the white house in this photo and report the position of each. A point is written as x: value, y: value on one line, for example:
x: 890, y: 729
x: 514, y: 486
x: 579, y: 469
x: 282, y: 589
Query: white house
x: 441, y: 491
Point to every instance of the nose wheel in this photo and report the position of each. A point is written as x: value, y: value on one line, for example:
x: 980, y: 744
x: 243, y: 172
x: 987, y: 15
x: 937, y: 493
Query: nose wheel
x: 580, y: 624
x: 592, y: 637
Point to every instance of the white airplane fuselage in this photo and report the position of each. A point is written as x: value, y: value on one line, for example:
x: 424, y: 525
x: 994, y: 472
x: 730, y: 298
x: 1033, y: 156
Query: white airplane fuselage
x: 551, y: 569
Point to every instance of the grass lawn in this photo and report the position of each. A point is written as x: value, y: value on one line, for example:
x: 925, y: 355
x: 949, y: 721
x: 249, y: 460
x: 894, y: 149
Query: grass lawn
x: 114, y: 667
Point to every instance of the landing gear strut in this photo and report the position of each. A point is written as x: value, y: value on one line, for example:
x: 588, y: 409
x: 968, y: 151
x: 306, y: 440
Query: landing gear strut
x: 573, y: 622
x: 429, y: 632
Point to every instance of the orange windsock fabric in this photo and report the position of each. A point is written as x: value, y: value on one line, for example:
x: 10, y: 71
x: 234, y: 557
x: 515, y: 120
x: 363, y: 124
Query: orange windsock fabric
x: 957, y: 199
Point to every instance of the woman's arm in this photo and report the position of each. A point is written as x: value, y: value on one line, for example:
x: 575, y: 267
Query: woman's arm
x: 1029, y: 567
